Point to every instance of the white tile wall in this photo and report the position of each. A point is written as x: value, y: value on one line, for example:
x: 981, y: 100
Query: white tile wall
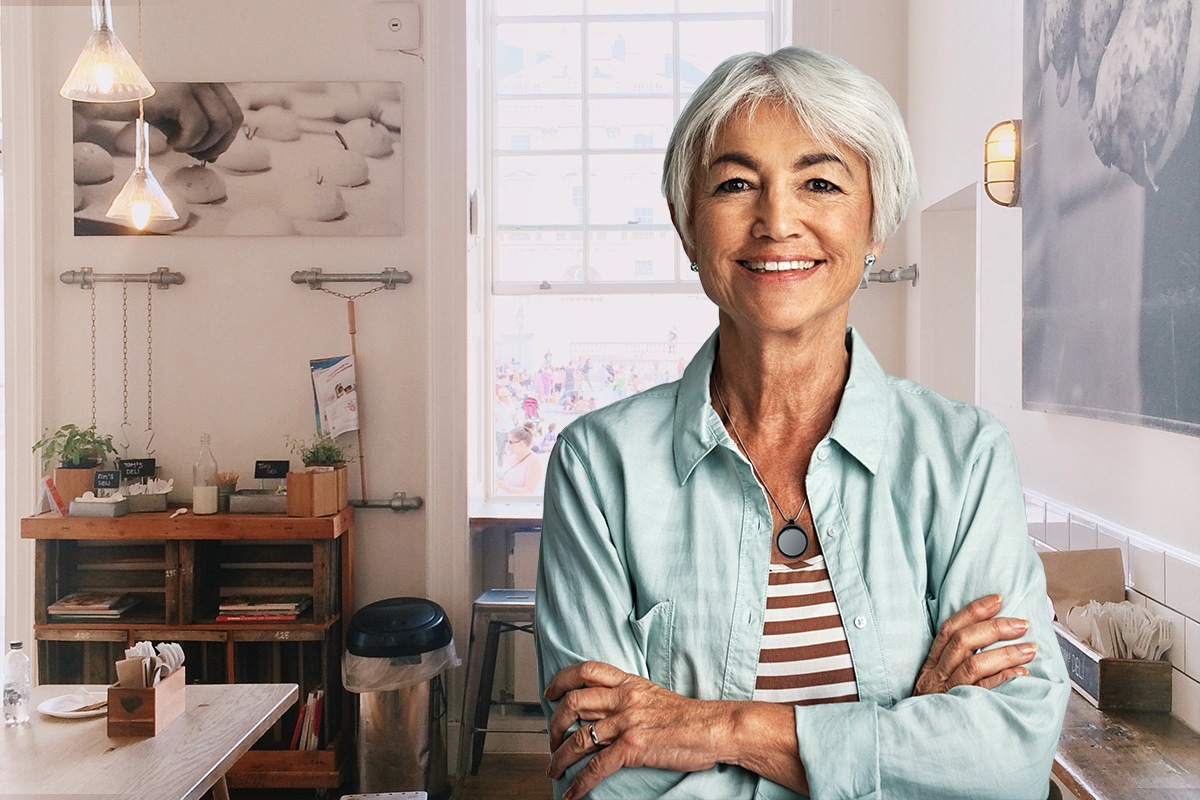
x: 1058, y: 528
x: 1082, y: 533
x: 1191, y: 639
x: 1185, y: 699
x: 1165, y: 583
x: 1183, y: 585
x: 1147, y: 570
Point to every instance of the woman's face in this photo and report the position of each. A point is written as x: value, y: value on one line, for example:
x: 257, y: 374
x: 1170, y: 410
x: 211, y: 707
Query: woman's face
x: 780, y: 224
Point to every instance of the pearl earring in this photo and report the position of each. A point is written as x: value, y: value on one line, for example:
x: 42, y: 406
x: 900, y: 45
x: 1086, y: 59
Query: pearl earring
x: 869, y: 260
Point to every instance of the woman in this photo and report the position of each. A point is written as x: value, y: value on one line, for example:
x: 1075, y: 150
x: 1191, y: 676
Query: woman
x: 742, y: 573
x: 522, y: 471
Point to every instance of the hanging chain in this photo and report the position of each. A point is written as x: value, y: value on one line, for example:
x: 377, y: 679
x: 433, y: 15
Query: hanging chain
x: 93, y: 356
x: 124, y: 353
x: 352, y: 296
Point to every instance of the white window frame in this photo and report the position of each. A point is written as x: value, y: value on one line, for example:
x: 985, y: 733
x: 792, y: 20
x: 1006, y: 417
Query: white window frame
x: 778, y: 16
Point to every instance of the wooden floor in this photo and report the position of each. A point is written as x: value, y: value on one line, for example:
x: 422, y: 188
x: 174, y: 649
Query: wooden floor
x: 502, y: 776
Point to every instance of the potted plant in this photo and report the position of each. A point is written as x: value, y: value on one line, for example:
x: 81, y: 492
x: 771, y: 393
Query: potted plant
x: 77, y: 453
x: 322, y: 487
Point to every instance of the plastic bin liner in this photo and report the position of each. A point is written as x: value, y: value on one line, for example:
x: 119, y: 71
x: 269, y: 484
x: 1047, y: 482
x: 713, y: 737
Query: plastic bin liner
x: 368, y: 674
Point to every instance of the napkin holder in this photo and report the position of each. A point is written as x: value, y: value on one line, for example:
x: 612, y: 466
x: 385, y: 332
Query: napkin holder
x: 1073, y: 578
x: 145, y: 712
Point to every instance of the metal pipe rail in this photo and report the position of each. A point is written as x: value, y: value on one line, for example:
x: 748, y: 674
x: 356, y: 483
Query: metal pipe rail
x: 908, y: 273
x: 85, y: 278
x: 399, y: 503
x: 390, y: 277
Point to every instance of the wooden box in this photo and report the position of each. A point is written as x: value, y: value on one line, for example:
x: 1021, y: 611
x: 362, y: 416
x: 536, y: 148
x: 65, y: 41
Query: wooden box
x: 317, y: 491
x: 1111, y: 684
x: 145, y: 712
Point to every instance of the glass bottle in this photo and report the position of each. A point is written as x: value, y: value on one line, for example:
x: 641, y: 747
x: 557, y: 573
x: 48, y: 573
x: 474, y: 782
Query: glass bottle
x: 204, y: 480
x: 17, y: 681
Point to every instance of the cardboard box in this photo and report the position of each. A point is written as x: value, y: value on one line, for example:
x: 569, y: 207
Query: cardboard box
x: 145, y: 712
x: 1075, y: 577
x: 317, y: 491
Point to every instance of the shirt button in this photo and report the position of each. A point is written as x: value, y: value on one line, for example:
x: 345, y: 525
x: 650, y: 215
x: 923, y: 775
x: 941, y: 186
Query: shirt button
x: 822, y: 453
x: 860, y: 621
x: 834, y: 530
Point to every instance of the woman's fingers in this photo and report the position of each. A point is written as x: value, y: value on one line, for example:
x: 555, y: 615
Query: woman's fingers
x: 963, y: 661
x: 986, y: 667
x: 581, y: 705
x: 976, y: 611
x: 583, y: 674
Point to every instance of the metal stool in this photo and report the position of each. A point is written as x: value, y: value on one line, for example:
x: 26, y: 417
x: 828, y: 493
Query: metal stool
x: 494, y: 612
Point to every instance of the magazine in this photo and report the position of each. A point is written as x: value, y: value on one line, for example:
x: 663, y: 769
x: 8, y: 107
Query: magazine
x: 105, y: 605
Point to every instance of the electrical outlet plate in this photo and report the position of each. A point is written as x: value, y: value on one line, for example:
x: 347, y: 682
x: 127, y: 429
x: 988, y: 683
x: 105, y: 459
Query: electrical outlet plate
x: 395, y: 26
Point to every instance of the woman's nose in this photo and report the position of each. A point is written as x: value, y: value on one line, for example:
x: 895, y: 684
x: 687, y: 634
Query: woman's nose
x: 777, y: 215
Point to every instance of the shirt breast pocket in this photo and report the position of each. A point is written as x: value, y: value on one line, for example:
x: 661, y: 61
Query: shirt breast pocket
x: 653, y: 635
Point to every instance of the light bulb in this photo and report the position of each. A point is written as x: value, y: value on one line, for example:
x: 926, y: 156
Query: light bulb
x: 140, y: 213
x: 104, y: 78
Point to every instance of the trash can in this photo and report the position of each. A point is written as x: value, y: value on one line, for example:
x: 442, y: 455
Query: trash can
x: 396, y: 651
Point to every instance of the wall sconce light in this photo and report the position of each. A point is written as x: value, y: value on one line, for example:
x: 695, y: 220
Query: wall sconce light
x: 142, y: 198
x: 104, y: 71
x: 1002, y: 163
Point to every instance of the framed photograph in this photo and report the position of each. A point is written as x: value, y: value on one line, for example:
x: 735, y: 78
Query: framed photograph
x: 309, y: 159
x: 1110, y: 191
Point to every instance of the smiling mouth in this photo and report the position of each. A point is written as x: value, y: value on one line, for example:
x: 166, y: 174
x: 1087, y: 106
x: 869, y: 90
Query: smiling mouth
x: 778, y: 266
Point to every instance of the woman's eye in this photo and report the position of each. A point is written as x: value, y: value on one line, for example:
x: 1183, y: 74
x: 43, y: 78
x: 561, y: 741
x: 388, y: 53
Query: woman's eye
x: 732, y: 186
x: 822, y: 186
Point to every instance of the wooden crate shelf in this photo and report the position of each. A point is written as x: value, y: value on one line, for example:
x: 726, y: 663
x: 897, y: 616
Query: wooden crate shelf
x: 181, y: 568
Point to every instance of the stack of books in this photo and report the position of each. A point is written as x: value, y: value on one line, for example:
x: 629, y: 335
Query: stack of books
x: 92, y: 606
x: 307, y: 733
x: 262, y: 608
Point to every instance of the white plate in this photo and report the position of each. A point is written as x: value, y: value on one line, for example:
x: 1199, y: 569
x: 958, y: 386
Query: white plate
x: 63, y: 706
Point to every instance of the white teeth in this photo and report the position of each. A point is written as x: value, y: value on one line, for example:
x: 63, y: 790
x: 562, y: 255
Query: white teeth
x: 779, y: 266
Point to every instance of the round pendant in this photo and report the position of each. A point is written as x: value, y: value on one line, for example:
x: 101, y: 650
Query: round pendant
x: 792, y: 540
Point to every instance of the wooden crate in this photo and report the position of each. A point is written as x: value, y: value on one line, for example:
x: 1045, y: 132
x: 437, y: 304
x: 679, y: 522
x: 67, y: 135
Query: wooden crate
x: 317, y: 491
x: 145, y: 712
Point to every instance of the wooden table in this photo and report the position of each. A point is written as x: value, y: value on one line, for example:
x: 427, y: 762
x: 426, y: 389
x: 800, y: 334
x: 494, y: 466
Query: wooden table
x: 1109, y: 755
x: 51, y: 757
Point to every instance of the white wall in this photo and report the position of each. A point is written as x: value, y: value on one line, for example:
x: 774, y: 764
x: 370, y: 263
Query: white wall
x: 964, y: 76
x: 231, y: 346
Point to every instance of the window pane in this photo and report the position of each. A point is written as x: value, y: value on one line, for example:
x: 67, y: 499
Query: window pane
x: 537, y: 58
x: 624, y: 189
x: 532, y: 255
x: 633, y: 6
x: 704, y: 45
x: 721, y: 6
x: 630, y: 58
x: 539, y: 190
x: 633, y: 255
x: 557, y: 357
x: 537, y: 124
x: 629, y: 124
x: 530, y: 8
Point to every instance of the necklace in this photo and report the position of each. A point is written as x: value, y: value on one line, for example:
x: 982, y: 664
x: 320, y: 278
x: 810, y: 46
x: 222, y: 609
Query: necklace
x: 790, y: 539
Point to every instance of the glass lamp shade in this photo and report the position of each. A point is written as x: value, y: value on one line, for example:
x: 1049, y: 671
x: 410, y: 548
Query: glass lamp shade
x: 104, y: 71
x: 142, y: 199
x: 1002, y: 163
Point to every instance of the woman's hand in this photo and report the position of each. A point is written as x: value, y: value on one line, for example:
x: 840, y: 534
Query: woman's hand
x: 954, y: 661
x: 636, y: 723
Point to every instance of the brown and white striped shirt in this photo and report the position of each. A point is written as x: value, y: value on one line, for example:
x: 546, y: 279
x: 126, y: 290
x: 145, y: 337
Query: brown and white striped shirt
x: 804, y: 658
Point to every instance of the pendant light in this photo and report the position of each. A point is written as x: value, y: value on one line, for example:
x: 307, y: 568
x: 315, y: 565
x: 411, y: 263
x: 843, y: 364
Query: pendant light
x: 104, y: 71
x: 142, y: 199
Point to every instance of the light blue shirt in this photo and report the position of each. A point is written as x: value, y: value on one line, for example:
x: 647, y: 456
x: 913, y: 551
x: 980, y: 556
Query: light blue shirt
x: 656, y: 540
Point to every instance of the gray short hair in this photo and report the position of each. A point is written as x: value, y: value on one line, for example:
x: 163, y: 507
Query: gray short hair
x: 837, y: 102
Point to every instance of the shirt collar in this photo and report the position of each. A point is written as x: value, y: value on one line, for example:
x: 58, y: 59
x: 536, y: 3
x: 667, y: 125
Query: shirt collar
x: 859, y: 427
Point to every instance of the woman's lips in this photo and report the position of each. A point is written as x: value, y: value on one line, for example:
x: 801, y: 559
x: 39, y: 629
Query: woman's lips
x: 778, y: 266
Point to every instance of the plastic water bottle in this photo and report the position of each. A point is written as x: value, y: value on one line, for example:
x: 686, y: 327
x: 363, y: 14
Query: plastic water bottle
x: 17, y: 681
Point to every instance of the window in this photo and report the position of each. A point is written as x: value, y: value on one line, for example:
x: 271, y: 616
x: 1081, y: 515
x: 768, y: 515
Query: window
x: 591, y: 298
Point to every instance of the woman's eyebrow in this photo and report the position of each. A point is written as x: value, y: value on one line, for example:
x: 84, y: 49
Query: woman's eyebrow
x: 803, y: 162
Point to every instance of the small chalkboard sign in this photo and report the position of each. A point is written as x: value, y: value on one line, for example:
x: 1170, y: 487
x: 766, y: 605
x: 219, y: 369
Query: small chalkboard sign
x: 134, y: 469
x: 271, y: 469
x: 107, y: 479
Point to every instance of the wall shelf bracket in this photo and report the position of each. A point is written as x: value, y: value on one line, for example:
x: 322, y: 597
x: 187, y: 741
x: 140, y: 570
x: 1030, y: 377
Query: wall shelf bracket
x: 86, y: 278
x: 390, y: 277
x: 908, y: 273
x: 399, y: 503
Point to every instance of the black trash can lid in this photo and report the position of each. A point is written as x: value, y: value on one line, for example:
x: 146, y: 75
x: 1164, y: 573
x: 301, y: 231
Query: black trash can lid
x: 398, y: 626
